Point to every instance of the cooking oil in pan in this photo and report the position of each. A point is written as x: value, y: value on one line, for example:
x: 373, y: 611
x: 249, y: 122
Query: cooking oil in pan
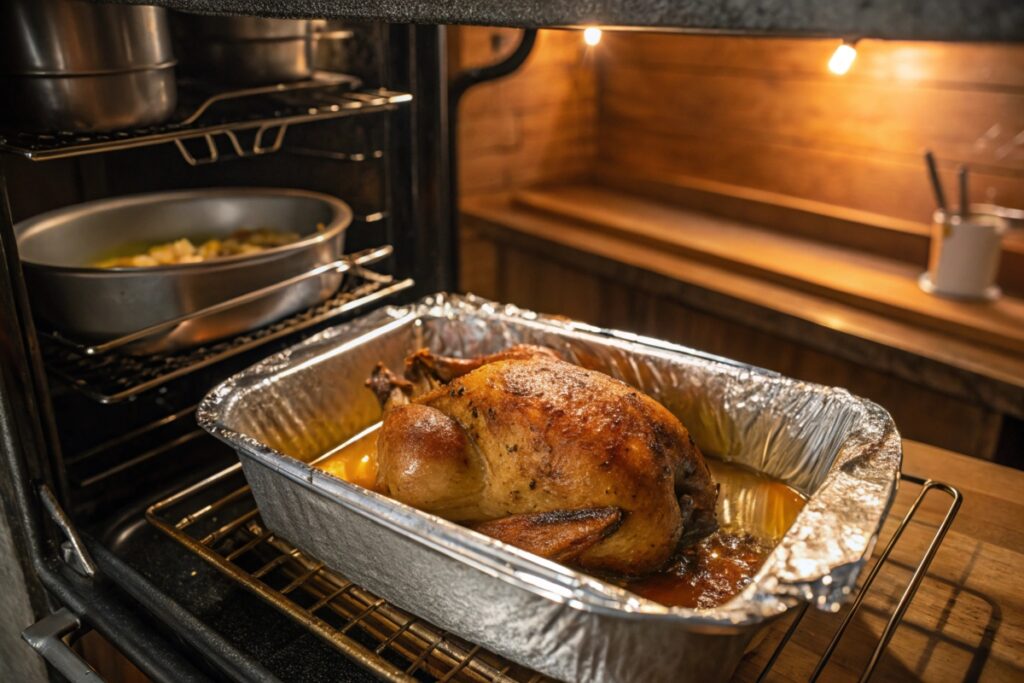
x: 355, y: 460
x: 754, y: 513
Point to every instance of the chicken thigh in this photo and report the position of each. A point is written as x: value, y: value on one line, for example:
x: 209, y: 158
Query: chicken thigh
x: 564, y: 462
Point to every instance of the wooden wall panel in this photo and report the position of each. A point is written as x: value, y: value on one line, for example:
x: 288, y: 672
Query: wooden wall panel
x: 956, y: 65
x: 533, y: 279
x: 765, y: 114
x: 853, y: 116
x: 861, y: 181
x: 478, y: 263
x: 537, y: 125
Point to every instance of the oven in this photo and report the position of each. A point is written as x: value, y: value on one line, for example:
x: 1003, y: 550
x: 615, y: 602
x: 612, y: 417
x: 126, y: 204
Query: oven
x: 96, y: 432
x: 120, y: 515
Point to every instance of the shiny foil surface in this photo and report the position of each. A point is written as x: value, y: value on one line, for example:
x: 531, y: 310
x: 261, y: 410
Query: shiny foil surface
x: 842, y: 451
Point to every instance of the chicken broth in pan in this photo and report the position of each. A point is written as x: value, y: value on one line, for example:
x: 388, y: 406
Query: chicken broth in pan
x: 754, y: 513
x: 355, y: 460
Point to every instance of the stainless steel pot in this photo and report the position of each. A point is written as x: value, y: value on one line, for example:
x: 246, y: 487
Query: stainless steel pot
x: 250, y: 62
x: 89, y: 102
x: 75, y: 65
x: 95, y: 304
x: 200, y: 27
x: 248, y: 50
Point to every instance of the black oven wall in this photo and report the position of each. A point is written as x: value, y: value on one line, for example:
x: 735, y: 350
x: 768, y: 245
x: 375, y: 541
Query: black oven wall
x: 26, y: 447
x: 390, y: 165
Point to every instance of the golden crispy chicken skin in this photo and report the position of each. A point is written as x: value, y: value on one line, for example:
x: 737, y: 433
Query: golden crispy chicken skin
x: 562, y: 461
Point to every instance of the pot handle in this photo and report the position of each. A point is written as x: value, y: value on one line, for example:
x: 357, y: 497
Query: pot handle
x: 346, y: 263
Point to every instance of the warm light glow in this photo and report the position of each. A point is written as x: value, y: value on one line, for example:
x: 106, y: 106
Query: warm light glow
x: 842, y: 59
x: 592, y: 36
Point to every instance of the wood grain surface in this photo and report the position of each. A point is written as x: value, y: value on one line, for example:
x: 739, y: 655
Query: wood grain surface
x: 878, y: 284
x: 966, y: 622
x: 536, y: 125
x: 718, y: 119
x: 766, y: 113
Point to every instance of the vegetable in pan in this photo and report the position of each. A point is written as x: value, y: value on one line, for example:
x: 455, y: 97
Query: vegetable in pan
x: 242, y: 241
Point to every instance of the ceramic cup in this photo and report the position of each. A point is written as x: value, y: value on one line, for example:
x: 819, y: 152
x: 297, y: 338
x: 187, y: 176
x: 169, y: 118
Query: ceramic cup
x: 964, y: 257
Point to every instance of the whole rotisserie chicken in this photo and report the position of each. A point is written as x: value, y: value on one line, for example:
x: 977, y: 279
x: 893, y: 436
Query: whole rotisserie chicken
x: 561, y: 461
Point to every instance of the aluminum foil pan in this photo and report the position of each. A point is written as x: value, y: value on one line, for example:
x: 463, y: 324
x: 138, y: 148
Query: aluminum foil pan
x: 843, y: 452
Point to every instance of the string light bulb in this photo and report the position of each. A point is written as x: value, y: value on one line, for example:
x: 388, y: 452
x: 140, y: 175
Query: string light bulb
x: 592, y: 36
x: 842, y: 59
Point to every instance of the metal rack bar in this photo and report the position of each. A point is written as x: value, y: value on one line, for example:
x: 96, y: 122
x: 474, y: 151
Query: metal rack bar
x: 130, y: 435
x: 372, y: 155
x: 426, y: 649
x: 276, y: 107
x: 144, y: 456
x: 110, y: 377
x: 920, y: 570
x: 790, y: 630
x: 912, y: 586
x: 302, y: 578
x: 223, y: 531
x: 329, y: 597
x: 321, y: 79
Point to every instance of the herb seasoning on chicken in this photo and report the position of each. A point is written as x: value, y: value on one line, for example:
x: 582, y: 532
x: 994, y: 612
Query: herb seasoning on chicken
x: 562, y: 461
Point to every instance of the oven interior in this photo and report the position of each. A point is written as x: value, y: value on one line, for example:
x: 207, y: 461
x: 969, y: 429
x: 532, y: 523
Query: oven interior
x: 114, y: 433
x: 119, y: 430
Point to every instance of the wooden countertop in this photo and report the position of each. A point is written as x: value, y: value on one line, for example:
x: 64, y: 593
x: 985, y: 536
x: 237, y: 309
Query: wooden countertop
x: 966, y: 622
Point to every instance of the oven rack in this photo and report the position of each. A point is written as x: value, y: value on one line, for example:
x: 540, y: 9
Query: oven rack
x: 227, y: 532
x: 110, y: 376
x: 253, y: 121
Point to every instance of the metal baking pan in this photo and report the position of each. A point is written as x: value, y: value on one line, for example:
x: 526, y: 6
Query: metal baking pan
x: 842, y: 451
x: 88, y: 303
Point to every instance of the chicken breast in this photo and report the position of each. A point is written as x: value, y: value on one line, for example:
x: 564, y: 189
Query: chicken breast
x: 562, y: 461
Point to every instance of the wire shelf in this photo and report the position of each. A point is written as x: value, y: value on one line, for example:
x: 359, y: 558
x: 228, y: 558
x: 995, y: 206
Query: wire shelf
x: 113, y: 376
x: 263, y: 113
x: 228, y: 533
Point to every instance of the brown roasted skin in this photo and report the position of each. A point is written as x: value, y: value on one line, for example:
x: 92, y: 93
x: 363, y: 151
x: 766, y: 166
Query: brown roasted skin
x: 566, y: 462
x: 560, y: 535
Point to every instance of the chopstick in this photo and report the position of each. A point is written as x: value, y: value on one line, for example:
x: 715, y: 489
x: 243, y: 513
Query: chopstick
x: 933, y: 174
x: 961, y: 175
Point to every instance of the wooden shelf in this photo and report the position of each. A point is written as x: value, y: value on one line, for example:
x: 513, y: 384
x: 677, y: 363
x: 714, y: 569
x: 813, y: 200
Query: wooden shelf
x: 848, y: 292
x: 866, y: 281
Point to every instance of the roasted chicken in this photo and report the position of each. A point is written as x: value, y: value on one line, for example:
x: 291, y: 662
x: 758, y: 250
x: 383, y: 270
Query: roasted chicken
x: 564, y: 462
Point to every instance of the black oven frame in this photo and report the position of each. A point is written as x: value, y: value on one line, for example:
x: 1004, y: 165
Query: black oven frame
x: 159, y: 635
